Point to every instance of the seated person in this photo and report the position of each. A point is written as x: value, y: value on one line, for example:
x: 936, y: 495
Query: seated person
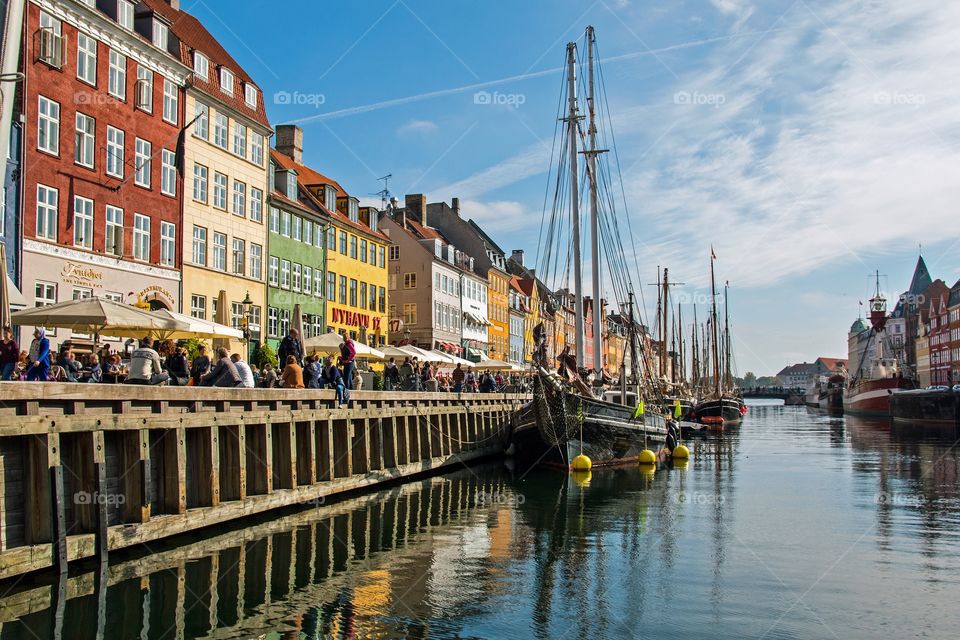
x: 96, y: 372
x: 311, y: 373
x: 292, y: 376
x: 331, y: 377
x: 145, y: 366
x: 224, y: 374
x: 71, y: 368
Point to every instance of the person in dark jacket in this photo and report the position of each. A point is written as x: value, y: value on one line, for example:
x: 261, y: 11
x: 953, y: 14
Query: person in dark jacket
x: 71, y: 368
x: 391, y: 376
x: 176, y: 366
x: 348, y: 352
x: 96, y: 371
x: 332, y: 379
x: 9, y: 354
x: 312, y: 373
x: 224, y: 374
x: 201, y: 365
x: 290, y: 346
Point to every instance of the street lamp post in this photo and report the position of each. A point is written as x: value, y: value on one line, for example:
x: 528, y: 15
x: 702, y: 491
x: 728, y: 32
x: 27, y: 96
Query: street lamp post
x: 245, y: 323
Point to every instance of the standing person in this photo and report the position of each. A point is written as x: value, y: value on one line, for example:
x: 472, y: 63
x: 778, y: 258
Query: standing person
x: 292, y: 376
x: 246, y: 373
x: 71, y: 368
x: 331, y: 377
x: 176, y: 366
x: 348, y: 351
x: 470, y: 381
x: 201, y: 365
x: 391, y: 375
x: 290, y: 346
x: 38, y: 359
x: 269, y: 379
x: 417, y: 375
x: 224, y: 374
x: 406, y: 373
x: 145, y: 366
x: 9, y: 354
x: 458, y: 376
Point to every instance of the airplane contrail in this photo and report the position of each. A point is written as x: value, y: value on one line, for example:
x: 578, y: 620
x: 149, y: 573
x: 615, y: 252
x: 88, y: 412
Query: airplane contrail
x: 393, y: 102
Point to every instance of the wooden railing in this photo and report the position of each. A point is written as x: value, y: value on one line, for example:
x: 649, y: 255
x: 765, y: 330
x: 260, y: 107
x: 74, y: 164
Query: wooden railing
x: 86, y: 469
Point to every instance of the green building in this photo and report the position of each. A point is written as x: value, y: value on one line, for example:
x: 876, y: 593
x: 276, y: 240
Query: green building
x: 296, y: 255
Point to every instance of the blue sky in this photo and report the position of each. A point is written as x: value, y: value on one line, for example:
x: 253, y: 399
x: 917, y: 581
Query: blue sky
x: 810, y: 142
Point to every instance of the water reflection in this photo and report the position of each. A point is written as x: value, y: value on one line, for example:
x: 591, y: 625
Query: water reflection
x: 797, y: 524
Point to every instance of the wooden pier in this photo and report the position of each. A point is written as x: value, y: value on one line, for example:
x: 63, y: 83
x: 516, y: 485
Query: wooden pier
x: 88, y: 469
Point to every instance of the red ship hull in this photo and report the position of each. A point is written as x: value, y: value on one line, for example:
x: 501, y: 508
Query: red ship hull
x: 872, y: 397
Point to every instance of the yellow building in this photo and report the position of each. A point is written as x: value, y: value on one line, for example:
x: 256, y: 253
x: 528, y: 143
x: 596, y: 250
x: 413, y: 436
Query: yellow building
x: 225, y: 178
x: 498, y: 314
x: 355, y: 274
x: 532, y: 317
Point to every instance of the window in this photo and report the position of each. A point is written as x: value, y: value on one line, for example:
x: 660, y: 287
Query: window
x: 239, y: 257
x: 168, y: 173
x: 161, y: 34
x: 285, y: 274
x: 373, y: 298
x: 198, y: 307
x: 353, y: 247
x: 47, y: 204
x: 48, y: 126
x: 220, y: 251
x: 343, y: 289
x: 168, y: 243
x: 273, y: 271
x: 331, y: 239
x: 115, y: 138
x: 285, y: 224
x: 291, y: 185
x: 170, y: 100
x: 318, y: 283
x: 250, y: 95
x: 141, y: 237
x: 113, y: 238
x: 239, y: 198
x: 307, y: 232
x: 51, y: 41
x: 318, y: 235
x: 143, y: 163
x: 144, y: 92
x: 410, y: 314
x: 381, y: 299
x: 343, y: 242
x: 285, y: 321
x: 236, y: 314
x: 45, y: 294
x: 199, y: 246
x: 201, y: 125
x: 201, y: 65
x: 256, y: 261
x: 410, y: 281
x: 220, y: 130
x: 256, y: 148
x: 85, y: 138
x: 297, y: 228
x: 220, y: 190
x: 363, y: 295
x: 125, y: 14
x: 394, y: 252
x: 199, y: 183
x: 226, y: 81
x: 239, y: 139
x: 82, y: 222
x: 256, y: 204
x: 373, y: 254
x: 86, y: 58
x: 117, y: 82
x: 331, y: 286
x: 307, y: 279
x: 353, y: 292
x: 297, y: 272
x: 380, y: 261
x: 274, y: 220
x: 363, y: 250
x: 272, y: 328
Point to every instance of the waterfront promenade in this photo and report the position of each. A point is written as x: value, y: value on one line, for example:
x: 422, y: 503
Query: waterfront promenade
x: 88, y: 469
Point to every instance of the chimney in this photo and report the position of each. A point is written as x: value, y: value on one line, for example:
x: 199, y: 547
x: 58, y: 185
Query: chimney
x: 289, y: 141
x: 455, y: 205
x: 517, y: 256
x: 174, y: 4
x: 416, y: 205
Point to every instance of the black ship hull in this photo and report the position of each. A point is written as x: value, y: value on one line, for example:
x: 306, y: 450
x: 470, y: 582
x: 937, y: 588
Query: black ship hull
x: 926, y: 407
x: 726, y: 411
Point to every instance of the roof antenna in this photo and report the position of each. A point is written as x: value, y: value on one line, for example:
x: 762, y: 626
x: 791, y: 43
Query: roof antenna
x: 385, y: 192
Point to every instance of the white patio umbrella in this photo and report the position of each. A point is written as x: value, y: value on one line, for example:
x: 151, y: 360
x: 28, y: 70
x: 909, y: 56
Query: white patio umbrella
x: 195, y: 328
x: 398, y: 352
x: 425, y: 356
x: 452, y: 360
x: 97, y: 316
x: 329, y: 343
x: 493, y: 365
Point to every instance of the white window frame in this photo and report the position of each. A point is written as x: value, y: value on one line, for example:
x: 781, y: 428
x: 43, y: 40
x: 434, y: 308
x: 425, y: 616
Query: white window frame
x: 82, y: 222
x: 201, y: 125
x: 125, y: 14
x: 221, y: 127
x: 227, y: 80
x: 198, y: 307
x: 219, y: 251
x: 273, y: 271
x: 256, y: 148
x: 168, y: 244
x: 144, y: 89
x: 168, y: 172
x: 239, y: 198
x: 220, y: 190
x: 86, y: 58
x: 250, y: 95
x: 284, y: 274
x: 143, y: 161
x: 117, y: 77
x: 201, y: 175
x: 307, y: 287
x: 116, y: 139
x: 238, y: 255
x: 239, y: 140
x: 199, y: 246
x: 113, y: 231
x: 85, y: 141
x: 256, y: 204
x: 48, y: 125
x: 141, y: 237
x: 48, y: 205
x: 201, y: 65
x: 171, y: 102
x: 161, y: 34
x: 297, y: 273
x: 256, y: 261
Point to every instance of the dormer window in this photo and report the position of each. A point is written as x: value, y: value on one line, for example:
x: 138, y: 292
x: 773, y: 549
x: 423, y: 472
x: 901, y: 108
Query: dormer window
x: 291, y: 185
x: 250, y: 95
x: 201, y: 65
x: 438, y: 249
x: 353, y: 210
x: 161, y: 34
x: 125, y: 14
x: 330, y: 197
x: 226, y: 80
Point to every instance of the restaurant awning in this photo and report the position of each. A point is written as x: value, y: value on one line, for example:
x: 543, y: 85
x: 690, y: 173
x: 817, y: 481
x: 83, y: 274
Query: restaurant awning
x: 17, y: 301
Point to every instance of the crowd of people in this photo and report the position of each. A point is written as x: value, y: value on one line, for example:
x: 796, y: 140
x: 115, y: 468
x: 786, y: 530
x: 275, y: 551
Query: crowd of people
x: 168, y: 363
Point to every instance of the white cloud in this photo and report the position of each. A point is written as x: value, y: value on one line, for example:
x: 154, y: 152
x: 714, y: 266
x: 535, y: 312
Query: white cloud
x: 417, y: 127
x: 499, y: 217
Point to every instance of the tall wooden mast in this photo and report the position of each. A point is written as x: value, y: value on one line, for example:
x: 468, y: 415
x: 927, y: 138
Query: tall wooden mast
x: 571, y: 120
x: 713, y: 327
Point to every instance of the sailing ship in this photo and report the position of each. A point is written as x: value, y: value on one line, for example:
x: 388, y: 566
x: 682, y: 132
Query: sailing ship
x: 568, y: 416
x: 673, y: 392
x: 871, y: 383
x: 720, y: 406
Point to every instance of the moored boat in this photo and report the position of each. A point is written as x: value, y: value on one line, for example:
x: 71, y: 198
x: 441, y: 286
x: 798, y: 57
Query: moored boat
x: 926, y: 406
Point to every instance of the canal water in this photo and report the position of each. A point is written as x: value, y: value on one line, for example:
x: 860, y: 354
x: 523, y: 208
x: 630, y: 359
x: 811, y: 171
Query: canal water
x: 795, y: 525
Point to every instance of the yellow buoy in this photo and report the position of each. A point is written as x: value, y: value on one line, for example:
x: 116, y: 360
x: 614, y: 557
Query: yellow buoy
x: 681, y: 452
x: 581, y: 463
x: 647, y: 457
x: 582, y: 478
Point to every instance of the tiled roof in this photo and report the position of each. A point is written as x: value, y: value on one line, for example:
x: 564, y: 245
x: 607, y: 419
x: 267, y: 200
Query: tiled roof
x: 425, y: 233
x: 194, y: 36
x: 832, y: 363
x: 307, y: 176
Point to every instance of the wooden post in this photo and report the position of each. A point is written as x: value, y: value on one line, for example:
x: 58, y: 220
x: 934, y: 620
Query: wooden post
x: 233, y: 462
x: 174, y: 481
x: 306, y: 447
x: 135, y: 475
x: 259, y: 455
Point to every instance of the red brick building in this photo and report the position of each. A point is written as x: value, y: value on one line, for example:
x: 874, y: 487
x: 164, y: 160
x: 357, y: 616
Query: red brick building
x: 953, y: 311
x: 102, y: 105
x: 939, y: 338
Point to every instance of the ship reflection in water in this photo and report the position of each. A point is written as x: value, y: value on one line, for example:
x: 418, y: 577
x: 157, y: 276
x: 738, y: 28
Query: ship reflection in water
x: 794, y: 525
